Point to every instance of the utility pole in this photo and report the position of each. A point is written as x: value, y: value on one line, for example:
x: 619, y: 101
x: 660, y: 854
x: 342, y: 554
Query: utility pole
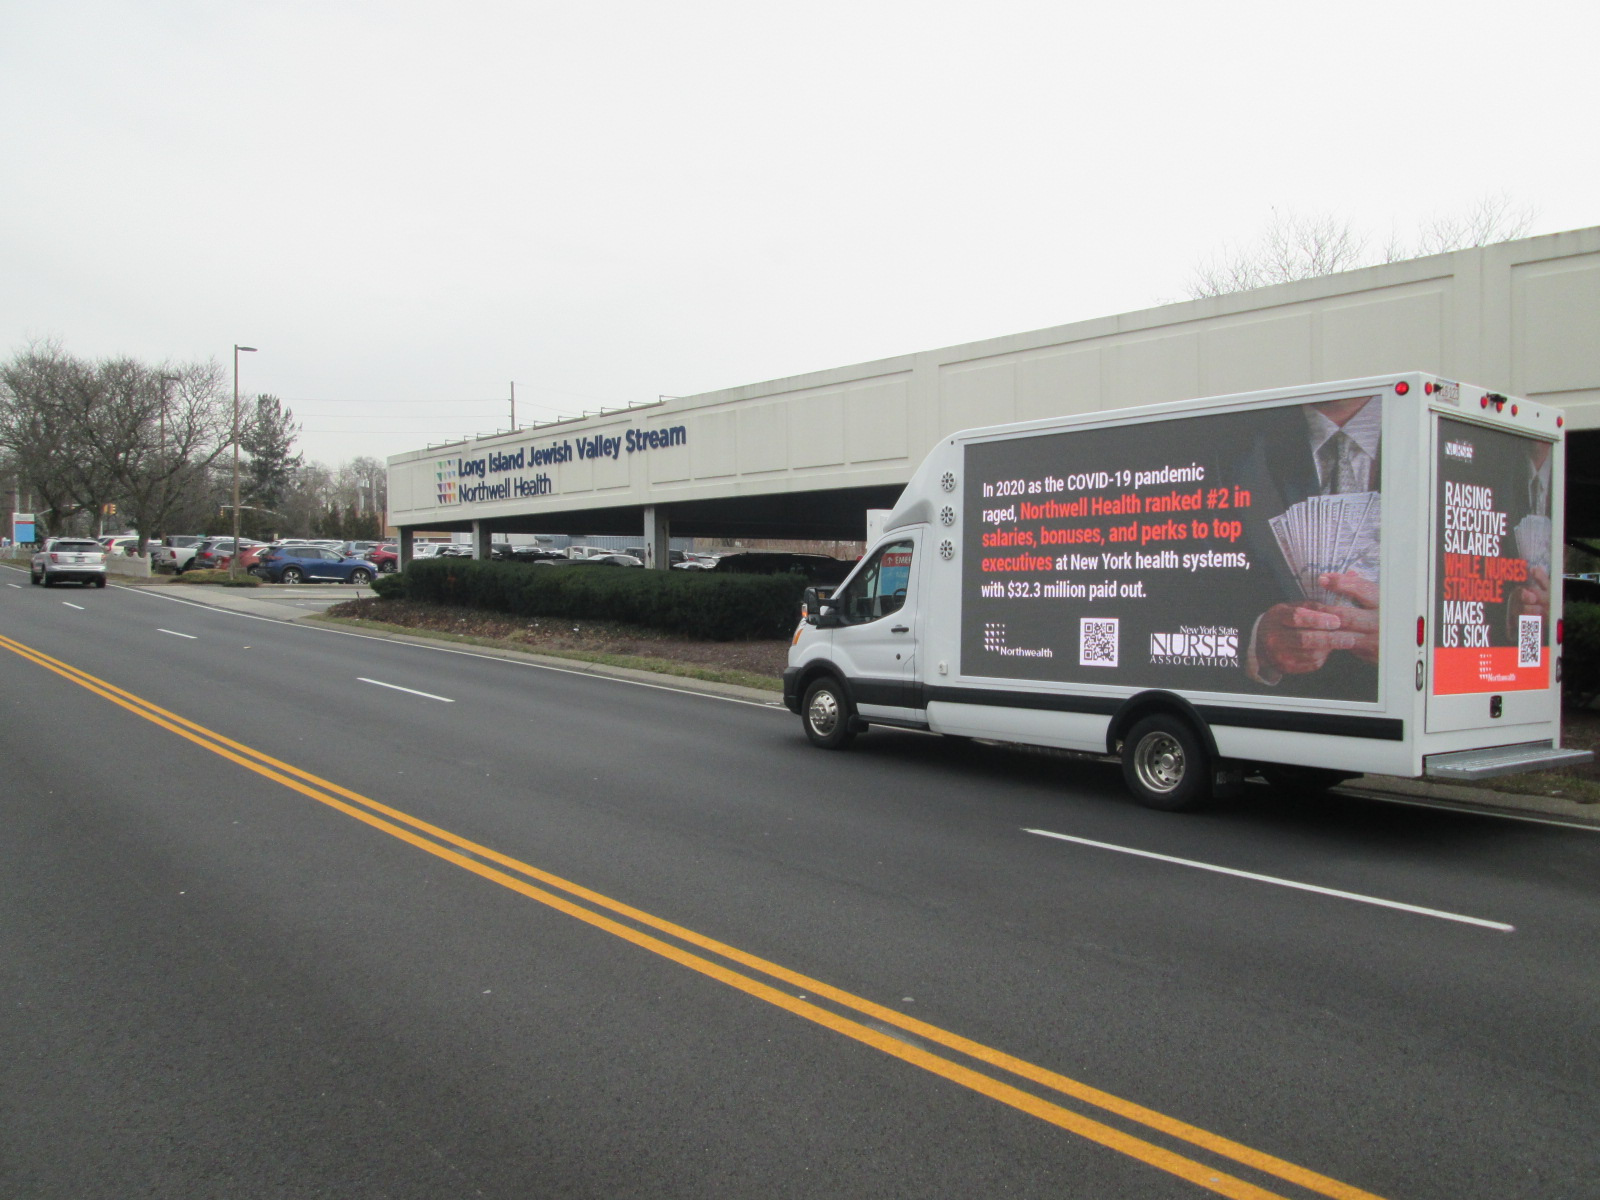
x: 513, y: 406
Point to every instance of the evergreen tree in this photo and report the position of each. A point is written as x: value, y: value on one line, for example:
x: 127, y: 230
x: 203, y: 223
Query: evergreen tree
x: 268, y: 437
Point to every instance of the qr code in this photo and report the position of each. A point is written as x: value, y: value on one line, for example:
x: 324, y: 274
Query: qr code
x: 1530, y: 640
x: 1097, y: 641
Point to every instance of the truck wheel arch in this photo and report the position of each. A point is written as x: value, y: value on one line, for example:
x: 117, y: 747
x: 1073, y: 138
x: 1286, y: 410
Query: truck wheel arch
x: 1135, y: 708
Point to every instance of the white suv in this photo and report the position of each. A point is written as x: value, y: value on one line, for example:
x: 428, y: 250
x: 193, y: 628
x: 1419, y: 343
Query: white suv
x: 80, y: 560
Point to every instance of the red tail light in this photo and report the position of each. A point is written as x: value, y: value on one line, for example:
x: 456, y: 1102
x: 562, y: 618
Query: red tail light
x: 1561, y: 629
x: 1422, y: 631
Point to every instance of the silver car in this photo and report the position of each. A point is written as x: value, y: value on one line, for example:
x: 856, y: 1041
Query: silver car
x: 69, y: 560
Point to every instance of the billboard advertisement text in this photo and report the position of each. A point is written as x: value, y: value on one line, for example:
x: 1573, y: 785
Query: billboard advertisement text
x: 1234, y: 552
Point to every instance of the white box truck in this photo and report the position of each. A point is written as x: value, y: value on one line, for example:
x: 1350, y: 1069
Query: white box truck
x: 1313, y: 583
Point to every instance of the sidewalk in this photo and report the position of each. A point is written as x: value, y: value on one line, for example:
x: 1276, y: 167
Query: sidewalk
x: 1382, y: 787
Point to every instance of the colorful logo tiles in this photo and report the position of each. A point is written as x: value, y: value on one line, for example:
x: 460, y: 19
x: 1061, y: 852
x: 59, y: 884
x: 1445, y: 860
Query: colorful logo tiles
x: 445, y: 475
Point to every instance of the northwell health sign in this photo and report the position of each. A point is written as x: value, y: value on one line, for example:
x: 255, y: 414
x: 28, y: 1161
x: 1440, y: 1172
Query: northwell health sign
x: 522, y: 473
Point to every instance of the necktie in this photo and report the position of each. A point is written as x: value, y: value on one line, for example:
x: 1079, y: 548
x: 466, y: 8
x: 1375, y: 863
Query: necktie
x: 1343, y: 470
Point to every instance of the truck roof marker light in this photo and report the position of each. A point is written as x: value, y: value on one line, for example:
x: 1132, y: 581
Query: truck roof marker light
x: 1513, y: 410
x: 1484, y: 403
x: 1401, y: 388
x: 1560, y: 421
x: 1422, y: 631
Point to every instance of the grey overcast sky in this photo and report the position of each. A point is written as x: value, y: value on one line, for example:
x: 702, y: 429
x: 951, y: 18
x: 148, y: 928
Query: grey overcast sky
x: 407, y: 205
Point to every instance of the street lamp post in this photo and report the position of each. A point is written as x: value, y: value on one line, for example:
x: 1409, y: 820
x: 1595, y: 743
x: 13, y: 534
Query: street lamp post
x: 233, y: 559
x: 166, y: 482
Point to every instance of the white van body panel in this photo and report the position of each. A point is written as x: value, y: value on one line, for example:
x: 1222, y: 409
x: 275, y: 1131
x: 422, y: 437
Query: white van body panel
x: 1070, y: 574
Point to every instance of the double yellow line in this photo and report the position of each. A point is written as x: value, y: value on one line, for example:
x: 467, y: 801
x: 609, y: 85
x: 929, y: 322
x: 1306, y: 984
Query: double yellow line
x: 631, y: 925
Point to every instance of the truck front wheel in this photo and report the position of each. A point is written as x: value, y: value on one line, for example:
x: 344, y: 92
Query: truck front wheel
x: 826, y: 714
x: 1164, y: 764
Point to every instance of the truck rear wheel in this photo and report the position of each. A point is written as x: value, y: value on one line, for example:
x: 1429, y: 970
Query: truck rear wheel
x: 1164, y: 764
x: 826, y: 714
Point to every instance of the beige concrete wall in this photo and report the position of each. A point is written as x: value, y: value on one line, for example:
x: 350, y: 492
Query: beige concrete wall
x: 1521, y: 317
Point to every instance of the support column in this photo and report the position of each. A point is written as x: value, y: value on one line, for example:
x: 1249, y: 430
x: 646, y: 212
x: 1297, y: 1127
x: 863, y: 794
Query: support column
x: 480, y: 541
x: 402, y: 547
x: 657, y: 537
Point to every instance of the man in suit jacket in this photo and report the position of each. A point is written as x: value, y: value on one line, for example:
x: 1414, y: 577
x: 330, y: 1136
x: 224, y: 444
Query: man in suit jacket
x: 1312, y: 647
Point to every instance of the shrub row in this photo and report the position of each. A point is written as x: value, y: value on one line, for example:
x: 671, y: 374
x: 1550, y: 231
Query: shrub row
x: 704, y: 605
x: 1580, y: 653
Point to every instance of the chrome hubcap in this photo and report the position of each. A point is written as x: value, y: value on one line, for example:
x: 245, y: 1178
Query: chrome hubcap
x: 1159, y: 762
x: 823, y: 713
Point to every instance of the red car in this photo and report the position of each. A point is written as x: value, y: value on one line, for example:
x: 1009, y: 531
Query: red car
x: 386, y: 557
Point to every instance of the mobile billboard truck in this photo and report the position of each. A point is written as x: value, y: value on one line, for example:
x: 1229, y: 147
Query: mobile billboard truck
x: 1313, y: 583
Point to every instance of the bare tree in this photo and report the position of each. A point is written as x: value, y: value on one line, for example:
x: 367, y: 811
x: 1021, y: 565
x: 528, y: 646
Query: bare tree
x: 1295, y: 247
x: 117, y: 431
x: 1292, y: 247
x: 1493, y: 219
x: 38, y: 391
x: 363, y: 486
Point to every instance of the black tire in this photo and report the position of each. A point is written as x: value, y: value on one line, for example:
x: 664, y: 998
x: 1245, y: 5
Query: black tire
x: 385, y: 568
x: 292, y: 575
x: 826, y: 714
x: 1165, y: 765
x: 1302, y: 781
x: 100, y: 582
x: 35, y: 578
x: 360, y: 577
x: 44, y: 578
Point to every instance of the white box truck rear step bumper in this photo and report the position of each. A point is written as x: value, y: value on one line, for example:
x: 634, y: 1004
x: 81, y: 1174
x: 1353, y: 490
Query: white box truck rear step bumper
x: 1501, y: 760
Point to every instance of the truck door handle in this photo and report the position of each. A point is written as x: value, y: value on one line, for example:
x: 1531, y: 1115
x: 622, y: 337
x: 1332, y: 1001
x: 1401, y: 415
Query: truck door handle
x: 901, y: 629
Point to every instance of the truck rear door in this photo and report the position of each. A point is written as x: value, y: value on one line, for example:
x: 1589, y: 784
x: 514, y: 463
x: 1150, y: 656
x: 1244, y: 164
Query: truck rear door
x: 1491, y: 644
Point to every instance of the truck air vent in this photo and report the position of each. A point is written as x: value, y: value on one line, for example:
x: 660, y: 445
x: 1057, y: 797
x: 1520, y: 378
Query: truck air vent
x: 947, y: 549
x: 949, y: 481
x: 947, y: 515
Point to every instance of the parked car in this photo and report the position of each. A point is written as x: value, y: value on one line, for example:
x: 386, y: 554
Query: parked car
x: 69, y: 560
x: 597, y: 560
x: 357, y: 549
x: 312, y: 564
x: 386, y: 558
x: 817, y: 568
x: 675, y: 558
x: 214, y: 553
x: 120, y: 543
x: 500, y: 552
x: 172, y: 553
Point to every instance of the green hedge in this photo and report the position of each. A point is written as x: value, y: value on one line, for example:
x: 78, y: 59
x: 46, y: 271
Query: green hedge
x: 703, y: 605
x: 1580, y: 653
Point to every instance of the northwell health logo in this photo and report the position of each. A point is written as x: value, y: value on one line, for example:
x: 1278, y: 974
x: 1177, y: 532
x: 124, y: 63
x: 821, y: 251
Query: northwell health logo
x: 444, y: 473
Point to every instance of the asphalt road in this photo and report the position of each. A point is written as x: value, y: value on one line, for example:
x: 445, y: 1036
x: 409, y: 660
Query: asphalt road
x: 287, y: 912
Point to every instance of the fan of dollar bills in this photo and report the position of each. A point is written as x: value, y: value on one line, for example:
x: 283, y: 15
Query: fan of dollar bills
x: 1328, y: 535
x: 1533, y: 540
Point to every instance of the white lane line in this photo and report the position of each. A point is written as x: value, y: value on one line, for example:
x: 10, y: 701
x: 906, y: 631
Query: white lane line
x: 770, y: 705
x: 398, y: 688
x: 1288, y: 883
x: 18, y: 586
x: 70, y: 604
x: 175, y: 633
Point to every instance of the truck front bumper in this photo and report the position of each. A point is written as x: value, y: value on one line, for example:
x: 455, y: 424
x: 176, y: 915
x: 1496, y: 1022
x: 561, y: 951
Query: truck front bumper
x: 791, y: 692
